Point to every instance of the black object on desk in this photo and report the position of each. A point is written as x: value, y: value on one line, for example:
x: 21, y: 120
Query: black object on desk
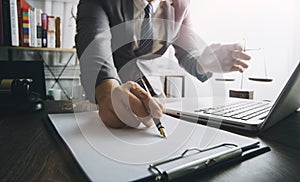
x: 16, y: 95
x: 22, y: 86
x: 33, y: 70
x: 222, y: 159
x: 27, y: 104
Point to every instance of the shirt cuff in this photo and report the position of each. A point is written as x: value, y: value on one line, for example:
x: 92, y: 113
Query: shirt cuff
x: 203, y: 77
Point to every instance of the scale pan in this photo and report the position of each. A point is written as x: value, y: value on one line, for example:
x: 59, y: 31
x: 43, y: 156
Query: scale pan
x: 225, y: 79
x: 261, y: 79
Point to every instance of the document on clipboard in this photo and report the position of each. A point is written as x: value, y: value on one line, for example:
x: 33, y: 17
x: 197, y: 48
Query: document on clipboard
x: 129, y: 154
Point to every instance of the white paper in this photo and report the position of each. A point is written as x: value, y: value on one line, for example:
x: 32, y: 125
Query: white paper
x: 107, y: 154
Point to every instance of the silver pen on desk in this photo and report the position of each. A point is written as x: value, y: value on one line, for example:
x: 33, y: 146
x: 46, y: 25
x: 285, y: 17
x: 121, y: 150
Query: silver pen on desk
x: 143, y: 82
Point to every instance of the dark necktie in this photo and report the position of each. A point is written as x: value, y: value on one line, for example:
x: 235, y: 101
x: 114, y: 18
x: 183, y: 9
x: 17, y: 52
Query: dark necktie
x: 146, y: 40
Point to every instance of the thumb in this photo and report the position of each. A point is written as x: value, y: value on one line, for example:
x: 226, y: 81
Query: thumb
x: 155, y: 109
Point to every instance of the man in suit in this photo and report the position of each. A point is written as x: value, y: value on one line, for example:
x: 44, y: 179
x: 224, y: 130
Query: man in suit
x: 110, y: 36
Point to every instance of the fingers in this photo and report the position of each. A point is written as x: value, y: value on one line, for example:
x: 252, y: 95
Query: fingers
x: 237, y: 68
x: 230, y: 57
x: 155, y: 108
x: 234, y: 47
x: 133, y: 105
x: 237, y: 51
x: 125, y: 114
x: 147, y: 121
x: 240, y: 56
x: 121, y: 105
x: 242, y: 64
x: 138, y: 98
x: 128, y: 104
x: 144, y: 102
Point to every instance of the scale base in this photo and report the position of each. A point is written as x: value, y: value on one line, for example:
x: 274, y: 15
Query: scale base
x: 244, y: 94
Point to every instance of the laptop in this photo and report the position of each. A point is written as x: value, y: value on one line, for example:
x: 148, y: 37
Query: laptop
x: 236, y: 113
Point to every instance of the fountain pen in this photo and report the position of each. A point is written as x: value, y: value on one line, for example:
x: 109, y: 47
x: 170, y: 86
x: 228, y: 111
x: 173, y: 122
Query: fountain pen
x: 144, y: 83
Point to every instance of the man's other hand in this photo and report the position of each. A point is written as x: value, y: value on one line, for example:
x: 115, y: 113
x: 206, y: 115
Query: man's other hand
x: 225, y: 58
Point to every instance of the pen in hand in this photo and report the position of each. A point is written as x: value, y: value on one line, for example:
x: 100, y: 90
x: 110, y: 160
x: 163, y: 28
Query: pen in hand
x: 143, y: 82
x: 160, y: 127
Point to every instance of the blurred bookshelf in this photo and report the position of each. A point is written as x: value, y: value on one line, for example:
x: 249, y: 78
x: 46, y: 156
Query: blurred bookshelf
x: 61, y: 65
x: 18, y: 17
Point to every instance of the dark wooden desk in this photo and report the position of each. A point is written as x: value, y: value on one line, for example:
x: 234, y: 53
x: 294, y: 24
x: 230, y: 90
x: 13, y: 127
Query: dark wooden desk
x: 32, y: 151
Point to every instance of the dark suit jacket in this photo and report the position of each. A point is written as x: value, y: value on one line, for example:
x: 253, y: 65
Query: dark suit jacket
x: 105, y: 35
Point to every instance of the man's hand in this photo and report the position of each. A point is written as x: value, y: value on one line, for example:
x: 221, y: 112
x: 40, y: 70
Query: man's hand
x: 223, y: 58
x: 127, y: 104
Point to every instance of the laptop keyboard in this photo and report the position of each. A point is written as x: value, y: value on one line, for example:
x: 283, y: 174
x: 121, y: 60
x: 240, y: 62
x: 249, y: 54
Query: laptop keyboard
x: 240, y: 110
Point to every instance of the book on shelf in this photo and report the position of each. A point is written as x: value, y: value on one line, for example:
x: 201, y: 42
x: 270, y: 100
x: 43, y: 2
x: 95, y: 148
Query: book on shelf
x: 57, y: 32
x: 24, y: 25
x: 51, y: 32
x: 10, y: 22
x: 1, y: 25
x: 21, y: 5
x: 14, y: 22
x: 20, y: 22
x: 6, y: 22
x: 25, y: 29
x: 38, y: 15
x: 32, y: 27
x: 44, y: 29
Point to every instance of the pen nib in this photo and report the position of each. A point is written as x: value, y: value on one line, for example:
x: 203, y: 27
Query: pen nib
x: 162, y: 132
x: 160, y: 127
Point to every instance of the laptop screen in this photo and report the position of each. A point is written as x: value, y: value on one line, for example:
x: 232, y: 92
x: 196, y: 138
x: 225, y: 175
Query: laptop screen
x: 25, y: 69
x: 288, y: 100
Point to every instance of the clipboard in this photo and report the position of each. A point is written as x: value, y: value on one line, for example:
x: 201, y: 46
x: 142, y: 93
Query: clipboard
x: 83, y: 133
x: 221, y: 159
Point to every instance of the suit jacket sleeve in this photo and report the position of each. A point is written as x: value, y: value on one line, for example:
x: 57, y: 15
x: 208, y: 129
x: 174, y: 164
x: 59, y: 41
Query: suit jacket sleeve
x: 188, y: 46
x: 93, y: 45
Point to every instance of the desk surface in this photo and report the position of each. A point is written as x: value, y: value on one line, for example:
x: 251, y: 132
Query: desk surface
x: 31, y: 150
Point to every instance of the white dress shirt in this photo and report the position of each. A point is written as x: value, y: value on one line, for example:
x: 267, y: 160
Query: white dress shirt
x: 158, y: 27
